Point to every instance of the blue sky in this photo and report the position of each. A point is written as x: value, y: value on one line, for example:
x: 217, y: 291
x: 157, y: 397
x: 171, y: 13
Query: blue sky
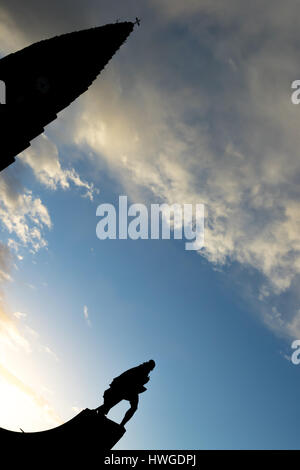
x: 184, y: 113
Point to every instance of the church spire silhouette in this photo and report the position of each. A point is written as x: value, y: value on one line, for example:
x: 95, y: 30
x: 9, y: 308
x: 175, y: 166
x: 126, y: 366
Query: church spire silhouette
x: 44, y: 78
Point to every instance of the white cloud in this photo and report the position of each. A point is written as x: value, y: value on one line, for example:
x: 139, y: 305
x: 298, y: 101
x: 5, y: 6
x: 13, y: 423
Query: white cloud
x: 5, y: 263
x: 42, y: 157
x: 13, y: 244
x: 212, y: 123
x: 293, y: 325
x: 10, y: 336
x: 232, y: 146
x: 20, y: 315
x: 11, y: 38
x: 14, y: 342
x: 86, y: 315
x: 45, y: 407
x: 31, y: 286
x: 33, y: 333
x: 23, y: 214
x: 51, y: 353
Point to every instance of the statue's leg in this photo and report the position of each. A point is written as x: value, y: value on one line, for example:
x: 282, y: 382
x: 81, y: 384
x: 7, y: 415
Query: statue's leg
x: 110, y: 399
x: 129, y: 413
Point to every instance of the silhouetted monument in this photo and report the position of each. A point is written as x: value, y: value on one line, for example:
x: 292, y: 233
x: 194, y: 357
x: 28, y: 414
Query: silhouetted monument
x: 84, y: 436
x: 44, y: 78
x: 127, y: 386
x: 87, y: 429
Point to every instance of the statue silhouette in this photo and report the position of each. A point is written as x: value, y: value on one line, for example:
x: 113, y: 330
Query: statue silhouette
x: 127, y: 386
x: 89, y: 432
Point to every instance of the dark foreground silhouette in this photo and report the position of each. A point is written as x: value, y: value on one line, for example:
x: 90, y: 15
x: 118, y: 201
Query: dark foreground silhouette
x: 86, y: 430
x: 44, y: 78
x: 127, y: 386
x: 86, y: 435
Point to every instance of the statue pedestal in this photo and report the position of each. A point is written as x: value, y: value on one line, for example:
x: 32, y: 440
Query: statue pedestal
x: 80, y: 439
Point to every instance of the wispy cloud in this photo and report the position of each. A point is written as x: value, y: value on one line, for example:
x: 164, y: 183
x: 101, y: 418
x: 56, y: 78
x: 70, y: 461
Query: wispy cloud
x: 33, y: 333
x: 86, y: 315
x: 206, y: 140
x: 30, y: 286
x: 42, y: 157
x: 6, y: 260
x: 20, y: 315
x: 51, y: 353
x: 39, y: 400
x: 22, y: 214
x: 18, y: 338
x: 10, y: 335
x: 219, y: 130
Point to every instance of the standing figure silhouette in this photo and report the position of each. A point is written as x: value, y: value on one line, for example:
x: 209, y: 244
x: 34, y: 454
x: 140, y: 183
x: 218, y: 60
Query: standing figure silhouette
x: 127, y: 386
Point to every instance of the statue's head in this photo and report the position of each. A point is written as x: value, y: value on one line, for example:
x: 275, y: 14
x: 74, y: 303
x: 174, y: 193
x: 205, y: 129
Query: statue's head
x: 149, y: 365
